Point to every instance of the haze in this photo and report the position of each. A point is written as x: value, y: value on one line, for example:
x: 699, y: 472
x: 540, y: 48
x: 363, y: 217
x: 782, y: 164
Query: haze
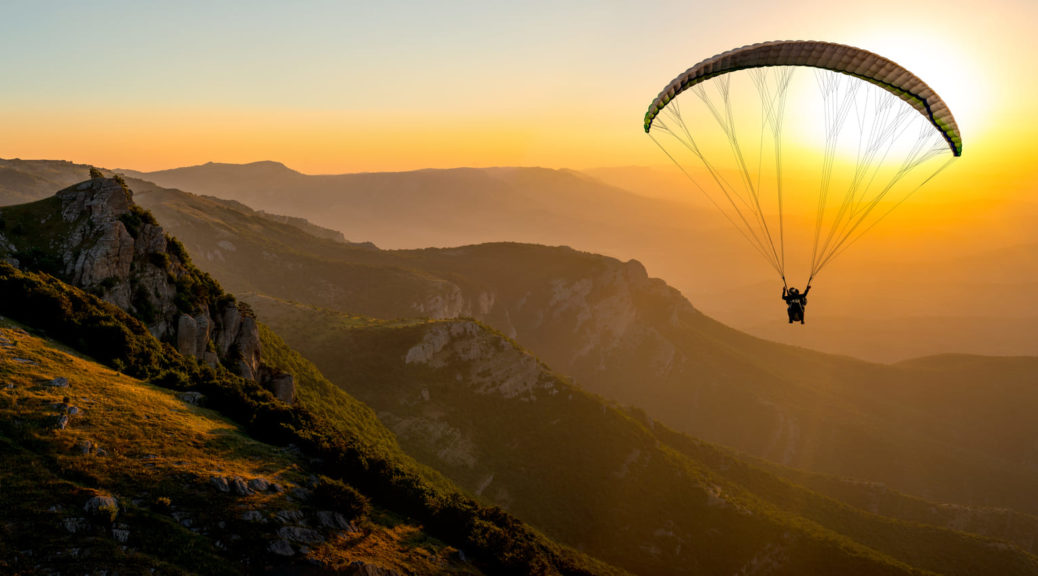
x: 334, y: 88
x: 406, y: 288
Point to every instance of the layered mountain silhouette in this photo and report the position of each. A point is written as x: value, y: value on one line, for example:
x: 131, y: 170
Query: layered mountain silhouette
x: 634, y: 340
x: 103, y: 470
x: 567, y: 396
x: 909, y: 289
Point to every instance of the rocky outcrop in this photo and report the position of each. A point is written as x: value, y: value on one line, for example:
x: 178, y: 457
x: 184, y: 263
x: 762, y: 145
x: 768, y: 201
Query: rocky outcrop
x: 577, y: 321
x: 491, y: 363
x: 98, y: 239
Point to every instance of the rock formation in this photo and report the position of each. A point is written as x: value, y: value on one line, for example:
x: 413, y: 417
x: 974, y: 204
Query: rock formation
x: 94, y: 236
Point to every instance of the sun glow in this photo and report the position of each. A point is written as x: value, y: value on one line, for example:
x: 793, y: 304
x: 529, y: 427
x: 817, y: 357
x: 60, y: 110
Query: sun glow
x: 946, y: 66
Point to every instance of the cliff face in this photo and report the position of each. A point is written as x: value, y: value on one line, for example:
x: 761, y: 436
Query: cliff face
x: 92, y: 235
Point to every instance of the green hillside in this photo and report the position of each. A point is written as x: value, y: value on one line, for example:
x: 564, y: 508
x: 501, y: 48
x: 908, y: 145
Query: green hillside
x: 468, y: 402
x: 465, y: 400
x: 347, y: 457
x: 940, y: 433
x: 167, y: 471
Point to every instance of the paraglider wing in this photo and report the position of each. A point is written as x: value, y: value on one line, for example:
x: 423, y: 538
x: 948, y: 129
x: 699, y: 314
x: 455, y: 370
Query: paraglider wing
x: 830, y: 56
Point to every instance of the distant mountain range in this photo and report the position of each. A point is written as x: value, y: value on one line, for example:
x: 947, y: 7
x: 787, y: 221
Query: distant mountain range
x: 567, y: 395
x: 281, y: 472
x: 893, y: 297
x: 632, y: 339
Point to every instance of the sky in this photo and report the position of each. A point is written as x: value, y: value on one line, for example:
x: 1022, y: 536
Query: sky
x: 339, y: 86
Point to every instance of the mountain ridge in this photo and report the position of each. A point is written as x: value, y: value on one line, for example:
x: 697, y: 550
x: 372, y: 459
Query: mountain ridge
x: 419, y: 390
x: 678, y: 240
x: 493, y: 540
x: 724, y: 371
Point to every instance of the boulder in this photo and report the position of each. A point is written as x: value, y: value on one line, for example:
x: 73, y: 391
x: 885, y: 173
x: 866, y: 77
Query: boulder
x: 59, y: 382
x: 241, y: 488
x: 283, y: 386
x: 281, y: 548
x: 220, y: 483
x: 259, y: 484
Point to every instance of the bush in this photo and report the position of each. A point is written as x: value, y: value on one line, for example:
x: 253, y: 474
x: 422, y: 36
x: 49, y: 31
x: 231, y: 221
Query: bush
x: 340, y: 497
x: 136, y: 218
x: 176, y: 249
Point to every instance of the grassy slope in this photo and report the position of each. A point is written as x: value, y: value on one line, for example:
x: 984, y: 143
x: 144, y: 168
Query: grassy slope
x: 890, y: 424
x: 156, y: 454
x: 494, y: 540
x: 884, y: 423
x: 557, y: 464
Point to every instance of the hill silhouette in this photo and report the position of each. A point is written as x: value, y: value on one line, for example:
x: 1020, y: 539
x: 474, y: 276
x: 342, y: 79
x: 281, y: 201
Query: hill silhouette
x: 632, y: 339
x: 907, y: 291
x: 93, y: 235
x: 465, y: 399
x: 469, y: 402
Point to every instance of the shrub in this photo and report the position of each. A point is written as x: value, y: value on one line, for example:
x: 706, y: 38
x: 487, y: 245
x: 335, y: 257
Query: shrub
x: 175, y: 248
x: 136, y: 218
x: 163, y: 504
x: 341, y: 497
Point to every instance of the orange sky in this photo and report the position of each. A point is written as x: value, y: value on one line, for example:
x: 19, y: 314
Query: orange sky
x: 330, y: 88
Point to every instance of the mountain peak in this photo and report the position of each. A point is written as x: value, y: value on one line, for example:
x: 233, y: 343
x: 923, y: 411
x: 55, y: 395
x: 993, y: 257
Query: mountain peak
x: 270, y: 167
x: 92, y: 235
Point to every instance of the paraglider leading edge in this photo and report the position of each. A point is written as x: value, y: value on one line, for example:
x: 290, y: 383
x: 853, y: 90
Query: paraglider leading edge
x: 841, y: 58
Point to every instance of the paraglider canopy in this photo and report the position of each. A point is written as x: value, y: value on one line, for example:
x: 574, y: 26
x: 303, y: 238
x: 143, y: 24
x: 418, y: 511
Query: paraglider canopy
x: 826, y: 55
x: 878, y: 127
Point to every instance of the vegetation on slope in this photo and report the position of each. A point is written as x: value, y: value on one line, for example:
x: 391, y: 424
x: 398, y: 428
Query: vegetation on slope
x: 620, y: 486
x: 940, y: 433
x: 73, y: 433
x: 493, y: 539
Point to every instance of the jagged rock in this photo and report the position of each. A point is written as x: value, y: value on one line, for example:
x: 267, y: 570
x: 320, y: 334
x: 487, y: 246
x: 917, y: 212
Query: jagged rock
x: 495, y: 366
x: 241, y: 488
x: 248, y: 346
x: 289, y: 516
x: 284, y: 388
x: 301, y: 535
x: 282, y: 384
x: 193, y: 398
x: 115, y: 250
x: 60, y: 382
x: 62, y: 422
x: 259, y: 484
x: 85, y: 446
x: 187, y: 335
x: 220, y: 483
x: 330, y: 519
x: 281, y: 548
